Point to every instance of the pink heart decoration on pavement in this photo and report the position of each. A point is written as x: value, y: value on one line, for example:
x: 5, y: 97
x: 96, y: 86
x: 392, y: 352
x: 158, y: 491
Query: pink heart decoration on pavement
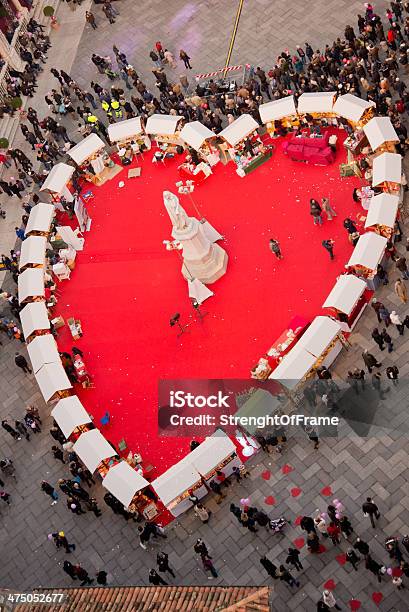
x: 330, y: 585
x: 341, y: 559
x: 286, y: 469
x: 354, y: 604
x: 270, y: 501
x: 327, y: 491
x: 377, y: 597
x: 296, y: 491
x: 299, y: 543
x: 266, y: 475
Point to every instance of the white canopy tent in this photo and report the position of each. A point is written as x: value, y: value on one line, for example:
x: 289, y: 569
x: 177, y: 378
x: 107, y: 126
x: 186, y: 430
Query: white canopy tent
x: 123, y: 482
x: 380, y: 130
x: 30, y: 284
x: 40, y: 218
x: 175, y: 481
x: 195, y: 134
x: 368, y: 251
x: 43, y: 350
x: 69, y: 414
x: 383, y: 209
x: 59, y: 176
x: 345, y: 293
x: 34, y: 317
x: 125, y: 129
x: 237, y: 131
x: 387, y: 168
x: 85, y: 148
x: 293, y: 367
x: 52, y: 378
x: 32, y: 251
x: 351, y: 107
x: 316, y: 102
x: 92, y: 448
x: 277, y: 109
x: 162, y: 124
x: 212, y: 451
x: 319, y: 335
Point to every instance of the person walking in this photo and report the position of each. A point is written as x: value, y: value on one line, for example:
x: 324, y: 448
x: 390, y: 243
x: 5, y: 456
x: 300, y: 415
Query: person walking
x: 61, y: 541
x: 352, y: 558
x: 329, y: 246
x: 401, y: 265
x: 377, y: 385
x: 401, y: 291
x: 397, y: 582
x: 90, y: 18
x: 58, y: 454
x: 293, y: 558
x: 275, y: 248
x: 346, y: 527
x: 333, y: 532
x: 396, y: 320
x: 109, y: 12
x: 83, y: 575
x: 92, y: 506
x: 22, y: 429
x: 269, y: 566
x: 162, y: 559
x: 144, y: 537
x: 327, y: 208
x: 74, y: 506
x: 316, y: 212
x: 13, y: 433
x: 369, y: 508
x: 329, y: 600
x: 362, y: 547
x: 377, y: 337
x: 376, y: 305
x: 321, y: 525
x: 392, y: 372
x: 388, y: 340
x: 50, y: 491
x: 287, y: 577
x: 21, y: 362
x: 169, y: 58
x: 307, y: 524
x: 374, y: 567
x: 185, y: 59
x: 216, y: 488
x: 200, y: 548
x: 370, y: 361
x: 202, y: 512
x: 102, y: 578
x: 69, y: 569
x: 384, y: 315
x: 155, y: 579
x: 208, y: 566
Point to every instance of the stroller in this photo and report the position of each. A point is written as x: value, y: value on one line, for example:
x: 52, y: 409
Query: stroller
x: 277, y: 525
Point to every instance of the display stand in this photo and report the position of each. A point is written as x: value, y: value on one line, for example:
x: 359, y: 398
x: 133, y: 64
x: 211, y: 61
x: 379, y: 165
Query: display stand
x: 283, y: 111
x: 382, y: 214
x: 164, y: 129
x: 387, y: 172
x: 33, y: 253
x: 201, y: 139
x: 129, y: 138
x: 366, y: 256
x: 94, y: 450
x: 356, y: 110
x: 381, y: 135
x: 31, y: 286
x: 34, y: 320
x: 53, y: 382
x: 40, y: 219
x: 319, y: 105
x: 347, y: 301
x: 246, y: 148
x: 70, y: 415
x: 92, y: 160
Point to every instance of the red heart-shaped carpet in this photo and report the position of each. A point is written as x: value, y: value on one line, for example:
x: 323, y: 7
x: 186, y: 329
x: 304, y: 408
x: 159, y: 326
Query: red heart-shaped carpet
x: 299, y: 543
x: 297, y: 521
x: 354, y: 604
x: 330, y: 585
x: 286, y: 469
x: 341, y: 559
x: 266, y: 475
x: 377, y: 597
x: 295, y: 492
x: 327, y: 491
x: 321, y: 549
x: 270, y: 501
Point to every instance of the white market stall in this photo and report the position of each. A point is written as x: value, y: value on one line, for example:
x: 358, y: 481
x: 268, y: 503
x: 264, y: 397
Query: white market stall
x: 34, y: 320
x: 323, y: 340
x: 174, y: 485
x: 129, y: 137
x: 261, y: 403
x: 70, y: 415
x: 382, y: 213
x: 199, y: 137
x: 32, y: 253
x: 30, y: 285
x: 356, y: 110
x: 294, y: 368
x: 317, y: 104
x: 39, y: 220
x: 347, y: 300
x: 282, y: 111
x: 217, y: 452
x: 366, y: 256
x: 381, y: 134
x: 43, y: 350
x: 93, y: 450
x: 53, y: 382
x: 90, y: 157
x: 387, y: 172
x: 131, y: 489
x: 244, y: 144
x: 165, y: 130
x: 56, y: 183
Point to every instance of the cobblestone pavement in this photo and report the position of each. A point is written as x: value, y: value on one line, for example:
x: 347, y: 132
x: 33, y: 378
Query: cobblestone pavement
x: 351, y: 466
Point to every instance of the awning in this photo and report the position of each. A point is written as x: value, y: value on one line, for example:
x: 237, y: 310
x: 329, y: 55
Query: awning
x: 237, y: 131
x: 345, y: 293
x: 176, y: 480
x: 278, y: 109
x: 380, y: 130
x: 52, y: 378
x: 69, y: 414
x: 387, y: 168
x: 34, y: 317
x: 212, y: 451
x: 195, y: 134
x: 351, y: 107
x: 317, y: 102
x: 40, y: 218
x: 261, y: 403
x: 32, y: 251
x: 319, y: 335
x: 59, y: 176
x: 383, y: 209
x: 92, y: 448
x: 125, y: 129
x: 368, y: 251
x: 162, y: 124
x: 293, y: 367
x: 87, y: 147
x: 30, y: 283
x: 123, y: 482
x: 43, y: 350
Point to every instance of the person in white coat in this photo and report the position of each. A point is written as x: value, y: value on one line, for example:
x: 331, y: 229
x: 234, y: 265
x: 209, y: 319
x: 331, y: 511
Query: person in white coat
x: 329, y: 599
x: 396, y: 320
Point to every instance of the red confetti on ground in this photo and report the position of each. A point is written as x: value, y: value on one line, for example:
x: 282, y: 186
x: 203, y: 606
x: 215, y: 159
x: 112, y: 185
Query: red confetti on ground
x: 330, y: 585
x: 354, y: 604
x: 377, y: 597
x: 270, y: 501
x: 327, y: 491
x: 266, y: 475
x: 299, y: 543
x: 296, y: 491
x: 286, y: 469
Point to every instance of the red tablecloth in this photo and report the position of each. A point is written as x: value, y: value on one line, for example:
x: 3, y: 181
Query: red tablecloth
x: 297, y: 325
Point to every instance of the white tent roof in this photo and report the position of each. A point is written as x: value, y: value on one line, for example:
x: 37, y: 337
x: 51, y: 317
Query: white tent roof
x: 380, y: 130
x: 58, y: 177
x: 125, y: 129
x: 387, y: 167
x: 30, y: 284
x: 293, y: 367
x: 34, y: 317
x: 32, y: 251
x: 239, y: 129
x: 42, y: 350
x: 316, y: 102
x: 211, y: 452
x: 351, y: 107
x: 123, y: 482
x: 382, y: 210
x: 92, y: 448
x: 195, y: 134
x: 175, y: 481
x: 162, y: 124
x: 86, y: 148
x: 52, y: 378
x: 345, y: 293
x: 277, y: 109
x: 69, y: 413
x: 40, y: 218
x: 319, y: 335
x: 368, y: 251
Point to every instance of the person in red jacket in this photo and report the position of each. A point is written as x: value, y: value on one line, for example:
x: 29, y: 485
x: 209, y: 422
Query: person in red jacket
x: 333, y: 532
